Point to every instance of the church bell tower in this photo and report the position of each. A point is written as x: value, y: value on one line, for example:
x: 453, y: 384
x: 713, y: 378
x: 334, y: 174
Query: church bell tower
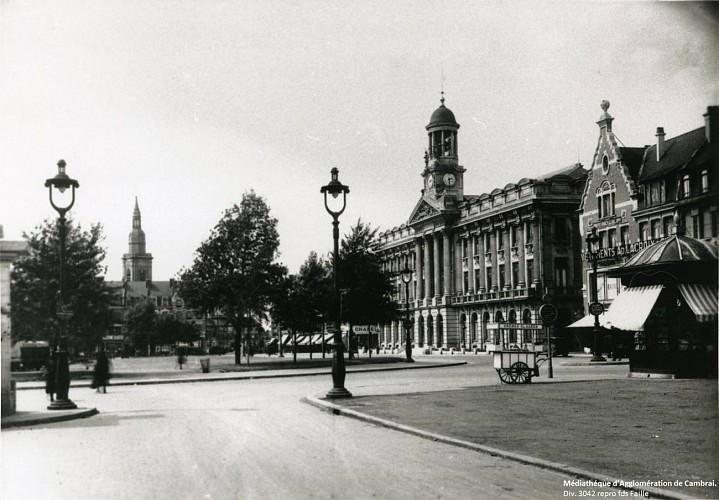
x: 443, y: 175
x: 137, y: 264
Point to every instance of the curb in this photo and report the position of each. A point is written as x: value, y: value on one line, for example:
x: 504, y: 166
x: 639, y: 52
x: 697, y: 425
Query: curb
x: 254, y: 375
x: 339, y: 410
x: 46, y: 418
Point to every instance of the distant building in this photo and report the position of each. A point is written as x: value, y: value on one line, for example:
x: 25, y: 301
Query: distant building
x: 137, y: 287
x: 482, y: 263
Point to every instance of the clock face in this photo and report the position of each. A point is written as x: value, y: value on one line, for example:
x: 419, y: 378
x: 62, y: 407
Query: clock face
x: 449, y: 179
x: 430, y: 181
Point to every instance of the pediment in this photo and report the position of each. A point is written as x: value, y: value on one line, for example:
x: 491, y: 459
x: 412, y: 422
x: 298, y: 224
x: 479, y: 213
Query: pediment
x: 423, y: 210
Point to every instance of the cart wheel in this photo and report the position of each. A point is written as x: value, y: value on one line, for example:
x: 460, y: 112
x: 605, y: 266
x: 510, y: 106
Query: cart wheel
x: 505, y: 376
x: 520, y: 374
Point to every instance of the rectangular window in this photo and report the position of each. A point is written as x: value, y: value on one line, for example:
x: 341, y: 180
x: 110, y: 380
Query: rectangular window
x: 561, y: 267
x: 464, y: 249
x: 612, y: 235
x: 705, y: 181
x: 662, y: 191
x: 487, y: 244
x: 489, y: 278
x: 501, y: 276
x: 624, y: 233
x: 530, y: 271
x: 528, y: 233
x: 513, y: 236
x: 655, y: 228
x: 466, y: 282
x: 500, y: 240
x: 600, y: 207
x: 477, y: 284
x: 706, y: 224
x: 515, y: 273
x: 475, y: 244
x: 643, y: 234
x: 666, y: 226
x: 686, y: 190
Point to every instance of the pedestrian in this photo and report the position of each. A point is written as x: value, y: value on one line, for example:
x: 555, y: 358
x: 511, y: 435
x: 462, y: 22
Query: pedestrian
x: 181, y: 357
x: 48, y: 374
x: 101, y: 375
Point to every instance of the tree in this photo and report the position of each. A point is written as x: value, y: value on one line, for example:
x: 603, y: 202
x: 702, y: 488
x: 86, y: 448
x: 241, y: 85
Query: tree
x: 170, y: 330
x: 35, y: 291
x: 304, y: 300
x: 235, y: 269
x: 140, y: 324
x: 367, y: 288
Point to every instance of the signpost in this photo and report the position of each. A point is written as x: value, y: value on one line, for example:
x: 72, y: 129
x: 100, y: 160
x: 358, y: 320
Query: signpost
x: 596, y: 308
x: 548, y: 313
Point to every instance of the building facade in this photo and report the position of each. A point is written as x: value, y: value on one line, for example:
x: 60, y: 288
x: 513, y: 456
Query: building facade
x: 633, y: 196
x: 483, y: 265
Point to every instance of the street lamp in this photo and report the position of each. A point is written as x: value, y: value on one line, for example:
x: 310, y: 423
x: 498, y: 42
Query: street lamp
x: 62, y: 370
x: 406, y: 274
x: 595, y: 307
x: 335, y: 188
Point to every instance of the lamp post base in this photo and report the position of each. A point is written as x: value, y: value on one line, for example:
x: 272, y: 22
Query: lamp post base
x: 62, y: 404
x: 338, y: 393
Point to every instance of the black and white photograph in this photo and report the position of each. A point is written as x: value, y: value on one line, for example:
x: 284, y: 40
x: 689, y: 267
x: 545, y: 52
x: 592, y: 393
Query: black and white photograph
x: 259, y: 250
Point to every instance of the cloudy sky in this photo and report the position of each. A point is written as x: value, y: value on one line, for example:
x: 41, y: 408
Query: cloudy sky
x: 189, y: 104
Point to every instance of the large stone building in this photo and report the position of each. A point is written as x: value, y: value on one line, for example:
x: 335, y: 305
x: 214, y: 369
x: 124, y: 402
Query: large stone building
x: 482, y: 261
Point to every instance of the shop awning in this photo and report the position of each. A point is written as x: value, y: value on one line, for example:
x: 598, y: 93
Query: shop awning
x: 628, y: 311
x: 702, y: 299
x: 631, y: 308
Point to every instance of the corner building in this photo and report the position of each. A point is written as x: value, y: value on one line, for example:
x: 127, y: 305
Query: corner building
x: 482, y: 265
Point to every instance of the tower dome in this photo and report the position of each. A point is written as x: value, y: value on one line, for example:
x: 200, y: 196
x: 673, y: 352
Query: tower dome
x: 442, y: 117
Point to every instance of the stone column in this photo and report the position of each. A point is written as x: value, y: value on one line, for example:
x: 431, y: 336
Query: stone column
x: 418, y: 267
x: 520, y: 253
x: 495, y: 263
x: 437, y: 265
x: 447, y: 243
x: 537, y: 252
x: 427, y: 269
x: 480, y: 260
x: 458, y: 266
x: 470, y: 263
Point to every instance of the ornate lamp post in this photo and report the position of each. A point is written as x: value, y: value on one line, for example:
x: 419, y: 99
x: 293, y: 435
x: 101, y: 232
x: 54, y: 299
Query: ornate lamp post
x: 595, y: 307
x: 335, y: 188
x: 62, y: 370
x: 406, y: 274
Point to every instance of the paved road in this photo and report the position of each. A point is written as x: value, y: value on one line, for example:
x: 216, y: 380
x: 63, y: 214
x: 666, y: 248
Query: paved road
x: 255, y: 439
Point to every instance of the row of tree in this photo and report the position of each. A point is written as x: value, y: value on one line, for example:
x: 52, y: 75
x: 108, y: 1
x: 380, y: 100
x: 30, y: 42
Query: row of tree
x: 236, y: 270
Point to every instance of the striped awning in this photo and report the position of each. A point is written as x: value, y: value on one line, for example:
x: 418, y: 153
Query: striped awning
x: 631, y: 308
x: 702, y: 299
x: 628, y: 311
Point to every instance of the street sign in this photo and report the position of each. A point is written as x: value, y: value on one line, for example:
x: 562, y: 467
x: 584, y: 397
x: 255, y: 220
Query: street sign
x: 596, y: 308
x: 513, y: 326
x: 548, y: 313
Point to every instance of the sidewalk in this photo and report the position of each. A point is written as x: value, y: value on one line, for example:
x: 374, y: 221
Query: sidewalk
x: 223, y: 371
x: 662, y: 431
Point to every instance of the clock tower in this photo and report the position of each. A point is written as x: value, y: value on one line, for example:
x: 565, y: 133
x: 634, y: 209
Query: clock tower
x: 137, y: 263
x: 442, y: 174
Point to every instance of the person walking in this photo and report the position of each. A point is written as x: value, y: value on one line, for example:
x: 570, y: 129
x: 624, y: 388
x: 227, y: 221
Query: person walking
x: 101, y: 375
x: 181, y: 357
x: 49, y: 376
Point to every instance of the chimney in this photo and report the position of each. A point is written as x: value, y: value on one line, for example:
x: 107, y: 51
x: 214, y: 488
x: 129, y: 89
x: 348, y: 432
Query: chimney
x: 660, y: 142
x: 711, y: 127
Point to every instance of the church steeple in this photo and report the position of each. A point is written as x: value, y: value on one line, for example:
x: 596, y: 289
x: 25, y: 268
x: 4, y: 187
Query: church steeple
x: 137, y: 263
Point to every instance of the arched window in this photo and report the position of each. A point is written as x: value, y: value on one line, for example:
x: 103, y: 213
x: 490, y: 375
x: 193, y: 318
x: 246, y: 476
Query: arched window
x: 512, y: 318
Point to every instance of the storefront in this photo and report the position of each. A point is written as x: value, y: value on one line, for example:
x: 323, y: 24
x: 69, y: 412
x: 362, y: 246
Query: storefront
x: 669, y: 305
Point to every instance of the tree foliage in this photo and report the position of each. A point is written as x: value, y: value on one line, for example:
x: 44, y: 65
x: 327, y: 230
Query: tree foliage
x: 147, y: 329
x: 303, y: 301
x: 367, y: 288
x: 35, y: 290
x: 235, y: 269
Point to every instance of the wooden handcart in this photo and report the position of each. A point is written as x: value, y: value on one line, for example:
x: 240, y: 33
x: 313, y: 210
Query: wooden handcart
x: 517, y: 366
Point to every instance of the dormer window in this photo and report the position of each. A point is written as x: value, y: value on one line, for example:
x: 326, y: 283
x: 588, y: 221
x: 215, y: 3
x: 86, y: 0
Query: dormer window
x: 705, y: 181
x: 686, y: 189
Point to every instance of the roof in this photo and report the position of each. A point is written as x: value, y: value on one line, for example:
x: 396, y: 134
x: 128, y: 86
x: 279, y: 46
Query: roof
x: 632, y: 159
x: 139, y: 288
x: 442, y: 116
x: 677, y: 248
x: 677, y: 153
x: 575, y: 171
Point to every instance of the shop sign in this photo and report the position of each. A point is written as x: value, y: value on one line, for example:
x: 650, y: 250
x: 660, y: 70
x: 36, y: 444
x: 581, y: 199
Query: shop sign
x: 363, y: 329
x: 620, y: 250
x: 513, y: 326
